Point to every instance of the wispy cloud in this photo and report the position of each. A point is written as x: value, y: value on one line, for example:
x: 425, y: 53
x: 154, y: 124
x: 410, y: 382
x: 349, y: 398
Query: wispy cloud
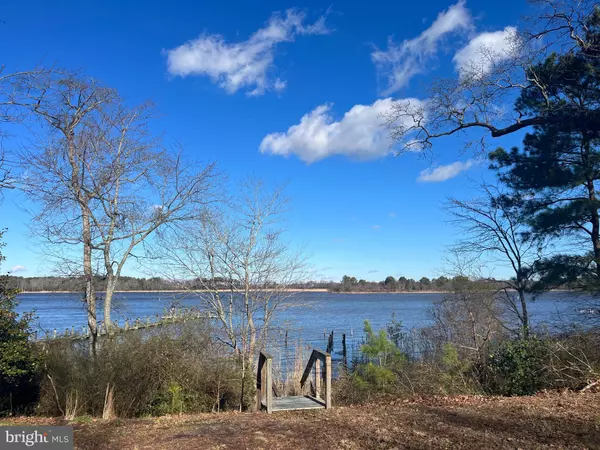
x: 485, y: 49
x: 373, y: 271
x: 401, y: 62
x: 245, y: 64
x: 359, y: 134
x: 16, y: 269
x: 443, y: 173
x: 376, y: 227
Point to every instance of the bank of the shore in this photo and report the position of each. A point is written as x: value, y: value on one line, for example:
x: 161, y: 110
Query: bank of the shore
x: 549, y: 420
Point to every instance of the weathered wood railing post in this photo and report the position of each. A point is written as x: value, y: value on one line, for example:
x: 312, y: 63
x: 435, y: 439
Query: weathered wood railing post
x: 269, y: 386
x: 318, y: 376
x: 264, y: 382
x: 328, y: 381
x: 317, y: 358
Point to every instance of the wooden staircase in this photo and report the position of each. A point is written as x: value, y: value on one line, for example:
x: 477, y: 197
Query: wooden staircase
x: 319, y: 361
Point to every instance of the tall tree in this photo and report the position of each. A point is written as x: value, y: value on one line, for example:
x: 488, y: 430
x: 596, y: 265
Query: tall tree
x: 65, y: 103
x: 103, y: 181
x: 554, y: 177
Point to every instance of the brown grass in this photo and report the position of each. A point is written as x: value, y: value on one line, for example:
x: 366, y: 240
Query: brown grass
x: 552, y: 420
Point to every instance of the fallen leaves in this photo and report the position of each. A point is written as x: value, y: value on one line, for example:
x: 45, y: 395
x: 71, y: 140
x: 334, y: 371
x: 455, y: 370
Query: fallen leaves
x: 547, y: 420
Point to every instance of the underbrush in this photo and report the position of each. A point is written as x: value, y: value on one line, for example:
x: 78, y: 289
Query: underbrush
x: 506, y: 367
x: 135, y: 374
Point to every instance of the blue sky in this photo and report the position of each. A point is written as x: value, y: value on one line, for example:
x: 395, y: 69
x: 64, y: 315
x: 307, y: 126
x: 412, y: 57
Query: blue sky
x: 289, y: 92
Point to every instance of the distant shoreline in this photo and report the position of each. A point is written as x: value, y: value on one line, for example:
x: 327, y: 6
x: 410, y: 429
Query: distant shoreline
x: 320, y: 290
x: 181, y: 291
x: 176, y: 291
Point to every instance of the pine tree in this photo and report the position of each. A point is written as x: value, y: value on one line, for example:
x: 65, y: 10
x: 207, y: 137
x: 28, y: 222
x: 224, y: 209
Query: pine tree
x: 554, y: 176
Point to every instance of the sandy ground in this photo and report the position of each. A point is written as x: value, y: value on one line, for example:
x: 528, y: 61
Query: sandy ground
x: 553, y: 420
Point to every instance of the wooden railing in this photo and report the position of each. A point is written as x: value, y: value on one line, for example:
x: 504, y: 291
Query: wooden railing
x: 264, y: 382
x: 321, y: 362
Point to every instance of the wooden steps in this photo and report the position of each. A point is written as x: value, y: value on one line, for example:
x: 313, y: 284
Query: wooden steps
x: 318, y: 367
x: 293, y: 403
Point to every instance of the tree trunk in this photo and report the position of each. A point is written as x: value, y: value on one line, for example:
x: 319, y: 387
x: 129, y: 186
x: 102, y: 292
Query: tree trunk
x: 524, y: 315
x: 90, y: 297
x: 111, y: 284
x: 591, y: 190
x: 595, y: 219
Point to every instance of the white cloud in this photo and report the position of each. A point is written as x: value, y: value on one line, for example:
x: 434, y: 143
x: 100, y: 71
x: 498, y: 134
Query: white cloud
x: 245, y: 64
x: 400, y: 62
x: 443, y: 173
x: 359, y: 134
x: 15, y: 269
x: 376, y: 227
x: 484, y: 49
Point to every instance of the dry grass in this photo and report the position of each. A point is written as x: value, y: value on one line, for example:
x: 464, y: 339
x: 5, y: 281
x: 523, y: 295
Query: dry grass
x: 553, y: 420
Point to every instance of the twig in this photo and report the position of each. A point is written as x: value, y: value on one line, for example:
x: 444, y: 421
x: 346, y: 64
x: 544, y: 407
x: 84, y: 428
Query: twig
x: 55, y: 394
x: 591, y: 385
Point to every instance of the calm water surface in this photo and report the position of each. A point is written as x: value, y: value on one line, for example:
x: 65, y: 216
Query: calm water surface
x: 309, y: 317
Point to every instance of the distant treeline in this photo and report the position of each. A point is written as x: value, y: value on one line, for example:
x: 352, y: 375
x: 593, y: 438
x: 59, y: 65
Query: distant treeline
x: 391, y: 284
x: 347, y: 284
x: 76, y: 284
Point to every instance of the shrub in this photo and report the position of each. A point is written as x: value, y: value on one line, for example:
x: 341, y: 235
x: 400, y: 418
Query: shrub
x: 174, y: 370
x: 519, y: 367
x: 19, y: 361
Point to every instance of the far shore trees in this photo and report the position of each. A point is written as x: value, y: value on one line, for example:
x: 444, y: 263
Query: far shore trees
x: 103, y: 181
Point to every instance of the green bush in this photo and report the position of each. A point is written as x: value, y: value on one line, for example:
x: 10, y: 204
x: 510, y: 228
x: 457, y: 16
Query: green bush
x: 19, y: 362
x: 519, y: 367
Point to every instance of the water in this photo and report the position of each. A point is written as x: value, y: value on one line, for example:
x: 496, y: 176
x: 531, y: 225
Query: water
x: 309, y: 316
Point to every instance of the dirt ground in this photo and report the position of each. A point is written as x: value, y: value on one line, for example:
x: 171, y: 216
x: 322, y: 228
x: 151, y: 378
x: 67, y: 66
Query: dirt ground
x: 550, y: 420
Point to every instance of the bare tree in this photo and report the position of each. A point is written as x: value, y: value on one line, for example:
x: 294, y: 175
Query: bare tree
x: 56, y: 172
x: 469, y: 316
x: 491, y: 228
x: 6, y: 182
x: 138, y: 186
x: 11, y: 84
x: 104, y: 183
x: 237, y: 261
x: 479, y: 100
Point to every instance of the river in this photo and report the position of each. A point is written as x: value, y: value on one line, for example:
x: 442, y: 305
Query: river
x: 309, y: 316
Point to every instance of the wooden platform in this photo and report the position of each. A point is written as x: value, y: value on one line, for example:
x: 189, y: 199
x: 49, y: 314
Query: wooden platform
x: 296, y: 402
x: 266, y: 400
